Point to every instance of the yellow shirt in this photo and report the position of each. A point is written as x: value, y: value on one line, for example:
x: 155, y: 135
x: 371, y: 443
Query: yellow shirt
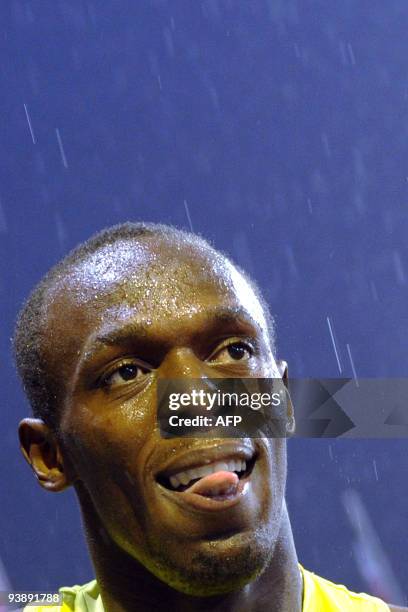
x: 319, y: 595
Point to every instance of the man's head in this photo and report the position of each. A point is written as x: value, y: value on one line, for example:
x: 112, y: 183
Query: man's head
x: 134, y: 304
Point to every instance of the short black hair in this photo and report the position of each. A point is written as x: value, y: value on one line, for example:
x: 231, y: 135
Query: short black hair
x: 41, y: 388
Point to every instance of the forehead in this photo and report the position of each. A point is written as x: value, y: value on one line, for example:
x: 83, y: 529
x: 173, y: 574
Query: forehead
x: 148, y: 274
x: 152, y: 276
x: 156, y: 282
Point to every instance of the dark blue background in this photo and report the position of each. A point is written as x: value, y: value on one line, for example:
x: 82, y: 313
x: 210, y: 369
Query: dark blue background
x: 284, y: 126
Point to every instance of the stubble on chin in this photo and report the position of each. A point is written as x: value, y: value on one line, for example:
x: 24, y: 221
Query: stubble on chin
x: 218, y: 567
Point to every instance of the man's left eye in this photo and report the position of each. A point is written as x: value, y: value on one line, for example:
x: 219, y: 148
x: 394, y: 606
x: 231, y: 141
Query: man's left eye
x: 235, y: 351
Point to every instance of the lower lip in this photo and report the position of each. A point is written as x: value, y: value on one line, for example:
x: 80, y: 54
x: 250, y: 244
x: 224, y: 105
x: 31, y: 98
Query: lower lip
x: 200, y: 502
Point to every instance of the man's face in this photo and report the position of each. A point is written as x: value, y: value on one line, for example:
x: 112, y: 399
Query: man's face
x: 130, y: 314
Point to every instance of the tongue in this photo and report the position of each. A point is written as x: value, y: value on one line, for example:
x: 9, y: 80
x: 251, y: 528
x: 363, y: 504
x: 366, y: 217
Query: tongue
x: 217, y: 484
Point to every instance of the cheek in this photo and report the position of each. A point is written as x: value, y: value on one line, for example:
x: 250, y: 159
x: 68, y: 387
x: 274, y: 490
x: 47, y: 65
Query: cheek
x: 105, y: 442
x: 108, y: 453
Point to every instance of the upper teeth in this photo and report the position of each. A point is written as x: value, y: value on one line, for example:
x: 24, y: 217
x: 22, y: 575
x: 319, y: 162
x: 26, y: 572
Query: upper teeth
x: 183, y: 478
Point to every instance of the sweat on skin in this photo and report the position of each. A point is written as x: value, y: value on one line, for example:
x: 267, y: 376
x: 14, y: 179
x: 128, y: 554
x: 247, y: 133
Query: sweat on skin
x: 132, y: 313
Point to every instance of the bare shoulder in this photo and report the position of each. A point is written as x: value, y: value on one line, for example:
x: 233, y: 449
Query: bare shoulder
x: 397, y: 608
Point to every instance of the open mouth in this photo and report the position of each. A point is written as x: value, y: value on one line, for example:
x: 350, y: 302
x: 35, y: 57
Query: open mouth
x: 219, y: 480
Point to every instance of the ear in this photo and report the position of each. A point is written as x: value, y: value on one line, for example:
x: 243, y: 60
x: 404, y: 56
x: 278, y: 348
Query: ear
x: 41, y: 450
x: 290, y: 413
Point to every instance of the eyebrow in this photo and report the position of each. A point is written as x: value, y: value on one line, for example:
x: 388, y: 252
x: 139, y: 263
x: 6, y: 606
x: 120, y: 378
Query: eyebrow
x: 130, y: 331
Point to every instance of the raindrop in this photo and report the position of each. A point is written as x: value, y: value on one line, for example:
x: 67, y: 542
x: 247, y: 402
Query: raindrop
x: 351, y: 54
x: 61, y: 148
x: 399, y: 269
x: 374, y: 291
x: 291, y: 260
x: 61, y: 233
x: 334, y: 344
x: 168, y: 39
x: 331, y: 452
x: 188, y: 215
x: 375, y: 469
x: 297, y: 50
x: 30, y: 127
x: 326, y: 145
x: 352, y: 364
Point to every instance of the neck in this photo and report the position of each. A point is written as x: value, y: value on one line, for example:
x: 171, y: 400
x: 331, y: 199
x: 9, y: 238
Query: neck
x: 126, y: 585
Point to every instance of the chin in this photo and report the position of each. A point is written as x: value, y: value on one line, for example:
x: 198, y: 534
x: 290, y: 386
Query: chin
x: 218, y: 566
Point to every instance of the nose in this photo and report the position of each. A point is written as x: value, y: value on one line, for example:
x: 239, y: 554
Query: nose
x: 183, y: 373
x: 182, y: 362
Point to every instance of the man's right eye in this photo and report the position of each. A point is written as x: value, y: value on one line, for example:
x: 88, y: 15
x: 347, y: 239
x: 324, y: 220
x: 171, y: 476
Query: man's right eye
x: 123, y: 374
